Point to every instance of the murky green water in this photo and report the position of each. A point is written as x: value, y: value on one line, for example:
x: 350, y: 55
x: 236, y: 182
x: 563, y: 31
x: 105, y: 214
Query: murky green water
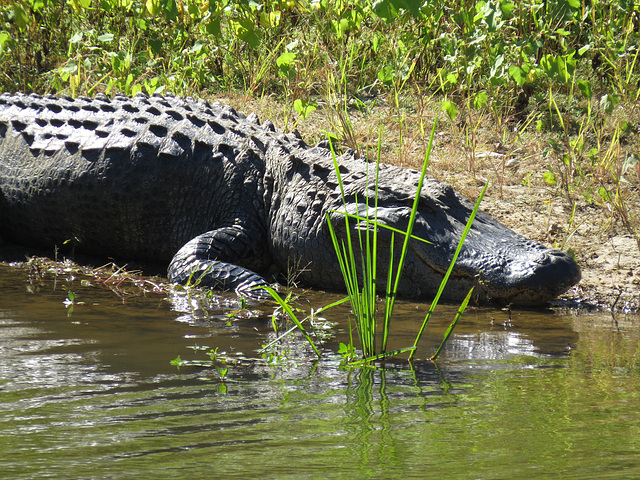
x: 93, y: 395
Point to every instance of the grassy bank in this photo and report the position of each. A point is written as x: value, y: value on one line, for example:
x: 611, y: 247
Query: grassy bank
x: 558, y: 80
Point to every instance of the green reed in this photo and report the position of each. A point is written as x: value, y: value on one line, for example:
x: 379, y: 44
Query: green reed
x: 361, y: 283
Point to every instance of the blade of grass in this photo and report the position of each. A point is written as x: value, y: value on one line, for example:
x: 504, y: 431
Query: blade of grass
x: 444, y: 281
x: 363, y: 301
x: 407, y: 234
x: 380, y: 356
x: 287, y: 308
x: 380, y: 225
x: 388, y: 297
x: 317, y: 312
x: 463, y: 307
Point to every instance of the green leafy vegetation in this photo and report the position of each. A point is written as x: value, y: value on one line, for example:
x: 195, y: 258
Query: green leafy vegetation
x: 507, y: 50
x: 357, y: 255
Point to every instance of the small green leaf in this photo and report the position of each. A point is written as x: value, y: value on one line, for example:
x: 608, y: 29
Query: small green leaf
x: 271, y: 19
x: 105, y: 37
x: 142, y: 24
x: 285, y: 63
x: 4, y: 36
x: 507, y: 8
x: 285, y: 60
x: 480, y: 100
x: 450, y: 109
x: 155, y: 44
x: 585, y: 88
x: 70, y: 67
x: 452, y: 78
x: 517, y: 74
x: 386, y: 75
x: 128, y: 83
x: 213, y: 27
x: 77, y: 38
x: 153, y: 7
x: 304, y: 107
x: 584, y: 49
x: 550, y: 178
x: 549, y: 64
x: 608, y: 102
x: 604, y: 194
x: 246, y: 30
x: 20, y: 16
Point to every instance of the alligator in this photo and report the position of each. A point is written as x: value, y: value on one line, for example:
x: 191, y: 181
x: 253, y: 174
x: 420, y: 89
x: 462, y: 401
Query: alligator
x: 222, y: 199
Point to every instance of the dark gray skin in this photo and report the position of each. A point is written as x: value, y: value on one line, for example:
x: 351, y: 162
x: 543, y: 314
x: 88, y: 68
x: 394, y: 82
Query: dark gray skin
x: 146, y: 177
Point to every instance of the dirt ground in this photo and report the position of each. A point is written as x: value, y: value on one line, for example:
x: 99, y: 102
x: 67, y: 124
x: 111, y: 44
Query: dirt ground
x: 610, y: 262
x: 518, y: 196
x: 608, y: 254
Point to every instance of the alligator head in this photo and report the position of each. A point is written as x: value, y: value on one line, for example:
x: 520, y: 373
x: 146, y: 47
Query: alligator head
x: 504, y: 266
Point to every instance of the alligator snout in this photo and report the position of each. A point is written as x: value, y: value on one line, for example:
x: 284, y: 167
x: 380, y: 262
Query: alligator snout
x: 532, y: 280
x: 504, y: 266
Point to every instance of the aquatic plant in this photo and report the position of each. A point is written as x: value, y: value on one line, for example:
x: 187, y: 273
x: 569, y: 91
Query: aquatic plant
x: 360, y: 272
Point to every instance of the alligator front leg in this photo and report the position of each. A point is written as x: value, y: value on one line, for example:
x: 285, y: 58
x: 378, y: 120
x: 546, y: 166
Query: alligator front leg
x: 208, y: 260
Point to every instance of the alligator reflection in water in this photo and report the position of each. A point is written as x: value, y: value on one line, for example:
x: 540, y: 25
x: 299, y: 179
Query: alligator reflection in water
x: 92, y: 395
